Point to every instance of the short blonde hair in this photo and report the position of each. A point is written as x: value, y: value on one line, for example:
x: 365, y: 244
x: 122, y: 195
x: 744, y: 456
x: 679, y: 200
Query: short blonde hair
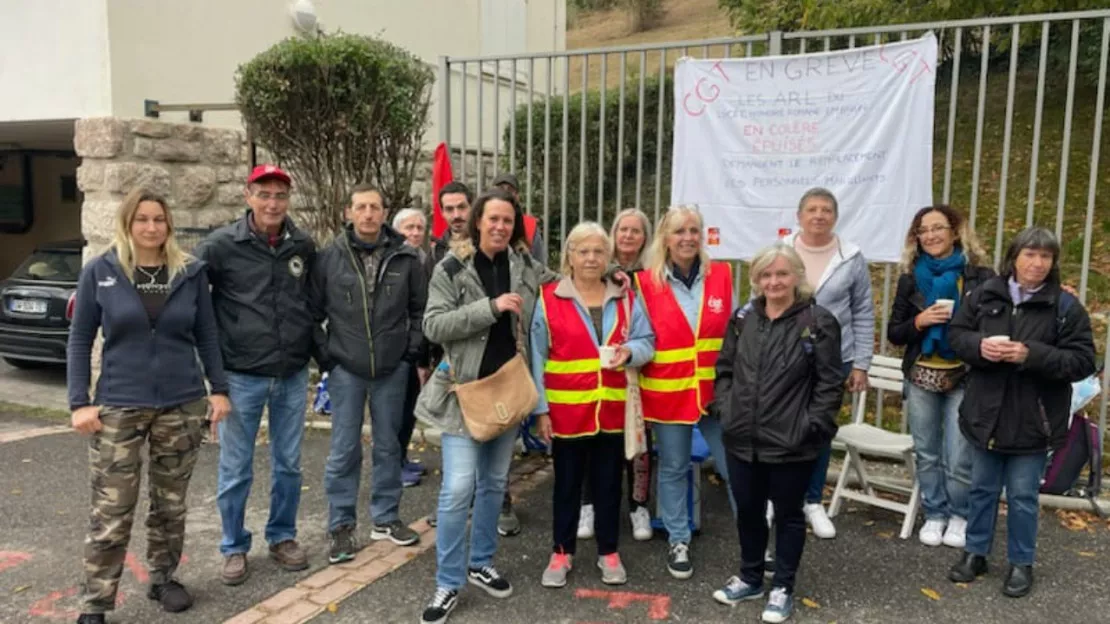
x: 579, y: 233
x: 172, y: 255
x: 405, y: 215
x: 767, y: 256
x: 658, y: 254
x: 645, y: 224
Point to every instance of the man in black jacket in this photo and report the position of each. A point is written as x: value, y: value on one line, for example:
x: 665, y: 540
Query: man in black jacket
x: 373, y: 290
x: 259, y: 268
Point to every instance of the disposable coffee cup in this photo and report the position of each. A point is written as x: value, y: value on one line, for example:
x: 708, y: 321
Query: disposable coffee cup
x: 998, y: 338
x: 608, y: 356
x: 947, y: 304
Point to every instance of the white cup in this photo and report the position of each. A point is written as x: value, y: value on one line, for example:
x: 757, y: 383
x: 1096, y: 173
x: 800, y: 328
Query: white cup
x: 947, y: 304
x: 998, y: 338
x: 608, y: 356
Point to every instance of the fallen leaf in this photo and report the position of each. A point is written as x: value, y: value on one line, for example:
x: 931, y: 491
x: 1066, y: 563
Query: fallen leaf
x: 713, y: 480
x: 962, y: 585
x: 930, y: 593
x: 869, y: 523
x: 1085, y: 553
x: 332, y: 607
x: 885, y: 534
x: 20, y: 589
x: 812, y: 604
x: 27, y: 461
x: 304, y: 488
x: 17, y: 492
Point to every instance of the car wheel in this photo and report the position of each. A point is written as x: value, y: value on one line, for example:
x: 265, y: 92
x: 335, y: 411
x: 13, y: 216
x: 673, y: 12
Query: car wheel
x: 27, y: 364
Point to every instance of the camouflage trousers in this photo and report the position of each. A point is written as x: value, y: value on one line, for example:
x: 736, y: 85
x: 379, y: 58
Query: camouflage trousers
x: 116, y: 460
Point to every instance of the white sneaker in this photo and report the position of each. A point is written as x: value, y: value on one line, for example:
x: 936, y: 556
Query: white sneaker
x: 641, y: 524
x: 955, y: 536
x: 586, y: 522
x: 932, y: 533
x: 819, y: 520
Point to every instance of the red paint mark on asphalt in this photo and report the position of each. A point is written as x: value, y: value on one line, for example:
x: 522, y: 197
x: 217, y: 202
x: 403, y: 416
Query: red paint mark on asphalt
x: 659, y: 605
x: 47, y: 607
x: 10, y: 559
x: 137, y: 568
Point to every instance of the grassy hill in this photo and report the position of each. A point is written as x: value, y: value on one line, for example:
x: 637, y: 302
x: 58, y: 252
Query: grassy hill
x: 686, y: 20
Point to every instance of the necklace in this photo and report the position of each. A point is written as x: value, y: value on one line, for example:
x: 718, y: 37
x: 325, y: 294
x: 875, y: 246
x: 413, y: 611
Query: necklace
x: 153, y: 277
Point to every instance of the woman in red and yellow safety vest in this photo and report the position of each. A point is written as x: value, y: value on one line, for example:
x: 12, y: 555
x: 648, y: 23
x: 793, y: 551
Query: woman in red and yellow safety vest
x: 584, y: 332
x: 688, y: 300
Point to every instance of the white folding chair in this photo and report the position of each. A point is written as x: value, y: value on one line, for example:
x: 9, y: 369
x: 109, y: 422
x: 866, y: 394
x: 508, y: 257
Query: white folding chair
x: 860, y: 438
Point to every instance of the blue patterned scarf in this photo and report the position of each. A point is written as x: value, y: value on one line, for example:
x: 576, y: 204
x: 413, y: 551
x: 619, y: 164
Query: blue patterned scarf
x: 939, y: 279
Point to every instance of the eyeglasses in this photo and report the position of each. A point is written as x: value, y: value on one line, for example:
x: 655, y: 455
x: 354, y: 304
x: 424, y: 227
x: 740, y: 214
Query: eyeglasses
x: 264, y: 196
x: 936, y: 229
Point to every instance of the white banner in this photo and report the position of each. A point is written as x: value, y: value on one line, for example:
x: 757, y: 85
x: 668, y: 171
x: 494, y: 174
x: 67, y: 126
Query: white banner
x: 752, y: 135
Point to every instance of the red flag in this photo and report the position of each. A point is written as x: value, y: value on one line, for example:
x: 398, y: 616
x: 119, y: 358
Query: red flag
x: 441, y: 175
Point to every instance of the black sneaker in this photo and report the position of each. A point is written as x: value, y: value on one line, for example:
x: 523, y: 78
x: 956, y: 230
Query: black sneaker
x: 678, y: 561
x: 490, y: 581
x: 433, y: 519
x: 171, y: 595
x: 90, y: 618
x: 395, y: 532
x: 343, y: 544
x: 441, y: 606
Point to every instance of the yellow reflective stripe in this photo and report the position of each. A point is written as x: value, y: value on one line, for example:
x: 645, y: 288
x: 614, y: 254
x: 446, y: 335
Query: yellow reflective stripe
x: 572, y: 366
x: 672, y: 356
x: 582, y: 397
x: 707, y: 373
x: 668, y: 385
x: 710, y: 344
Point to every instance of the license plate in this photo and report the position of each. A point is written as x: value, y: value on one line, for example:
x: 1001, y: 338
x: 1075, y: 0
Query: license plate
x: 28, y: 306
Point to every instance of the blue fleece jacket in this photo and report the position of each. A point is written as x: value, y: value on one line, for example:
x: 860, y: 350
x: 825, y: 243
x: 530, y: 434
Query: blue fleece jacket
x: 143, y: 366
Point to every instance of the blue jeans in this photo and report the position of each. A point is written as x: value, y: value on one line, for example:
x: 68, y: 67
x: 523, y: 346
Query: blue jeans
x: 249, y: 394
x: 943, y: 454
x: 1021, y: 476
x: 342, y: 474
x: 673, y: 442
x: 816, y: 488
x: 477, y: 471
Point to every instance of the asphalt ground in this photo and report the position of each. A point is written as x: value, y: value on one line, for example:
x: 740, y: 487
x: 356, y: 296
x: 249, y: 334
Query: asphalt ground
x: 866, y: 575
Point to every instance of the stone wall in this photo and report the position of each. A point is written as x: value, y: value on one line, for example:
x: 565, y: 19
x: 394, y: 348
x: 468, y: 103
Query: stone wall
x: 199, y: 170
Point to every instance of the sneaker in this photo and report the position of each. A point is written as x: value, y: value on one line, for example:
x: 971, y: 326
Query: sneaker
x: 171, y: 595
x: 955, y: 536
x: 289, y: 555
x: 780, y: 606
x: 433, y: 519
x: 641, y: 524
x: 586, y: 522
x: 415, y: 467
x: 410, y: 477
x: 342, y: 544
x: 557, y: 568
x: 440, y: 607
x: 90, y: 618
x: 395, y: 532
x: 819, y: 520
x: 490, y: 581
x: 612, y: 570
x: 678, y: 561
x: 932, y: 533
x: 508, y: 524
x: 736, y: 591
x: 235, y: 569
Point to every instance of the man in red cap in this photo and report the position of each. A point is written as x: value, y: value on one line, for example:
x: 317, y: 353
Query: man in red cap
x: 268, y: 319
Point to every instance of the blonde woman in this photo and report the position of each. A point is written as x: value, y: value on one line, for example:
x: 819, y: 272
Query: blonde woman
x: 630, y: 234
x: 152, y: 302
x: 581, y: 408
x: 941, y: 266
x: 779, y: 387
x: 688, y: 301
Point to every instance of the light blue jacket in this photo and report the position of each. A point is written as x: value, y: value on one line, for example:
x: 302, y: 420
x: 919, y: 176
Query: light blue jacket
x: 845, y: 290
x: 641, y: 340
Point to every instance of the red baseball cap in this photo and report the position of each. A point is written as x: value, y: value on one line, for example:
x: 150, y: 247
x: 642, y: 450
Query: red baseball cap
x: 262, y: 172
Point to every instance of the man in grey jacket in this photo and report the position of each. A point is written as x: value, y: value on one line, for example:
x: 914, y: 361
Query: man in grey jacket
x: 373, y: 290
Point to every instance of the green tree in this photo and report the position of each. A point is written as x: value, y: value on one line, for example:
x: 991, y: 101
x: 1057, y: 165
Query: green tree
x: 338, y: 110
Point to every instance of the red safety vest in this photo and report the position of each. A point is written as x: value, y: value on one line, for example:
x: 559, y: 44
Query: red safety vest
x: 677, y: 385
x: 530, y: 228
x: 583, y: 399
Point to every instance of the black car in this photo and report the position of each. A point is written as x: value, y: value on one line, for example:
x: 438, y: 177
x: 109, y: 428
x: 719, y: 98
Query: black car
x: 37, y: 305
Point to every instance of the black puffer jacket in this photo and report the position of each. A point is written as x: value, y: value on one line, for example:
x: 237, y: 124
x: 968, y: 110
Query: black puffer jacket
x: 1021, y: 408
x: 369, y: 334
x: 265, y: 309
x: 908, y: 302
x: 779, y: 383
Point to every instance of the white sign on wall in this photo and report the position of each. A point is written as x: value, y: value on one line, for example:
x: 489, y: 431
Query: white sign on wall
x: 752, y: 135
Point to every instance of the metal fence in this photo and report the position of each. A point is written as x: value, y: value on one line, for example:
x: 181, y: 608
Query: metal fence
x: 574, y: 182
